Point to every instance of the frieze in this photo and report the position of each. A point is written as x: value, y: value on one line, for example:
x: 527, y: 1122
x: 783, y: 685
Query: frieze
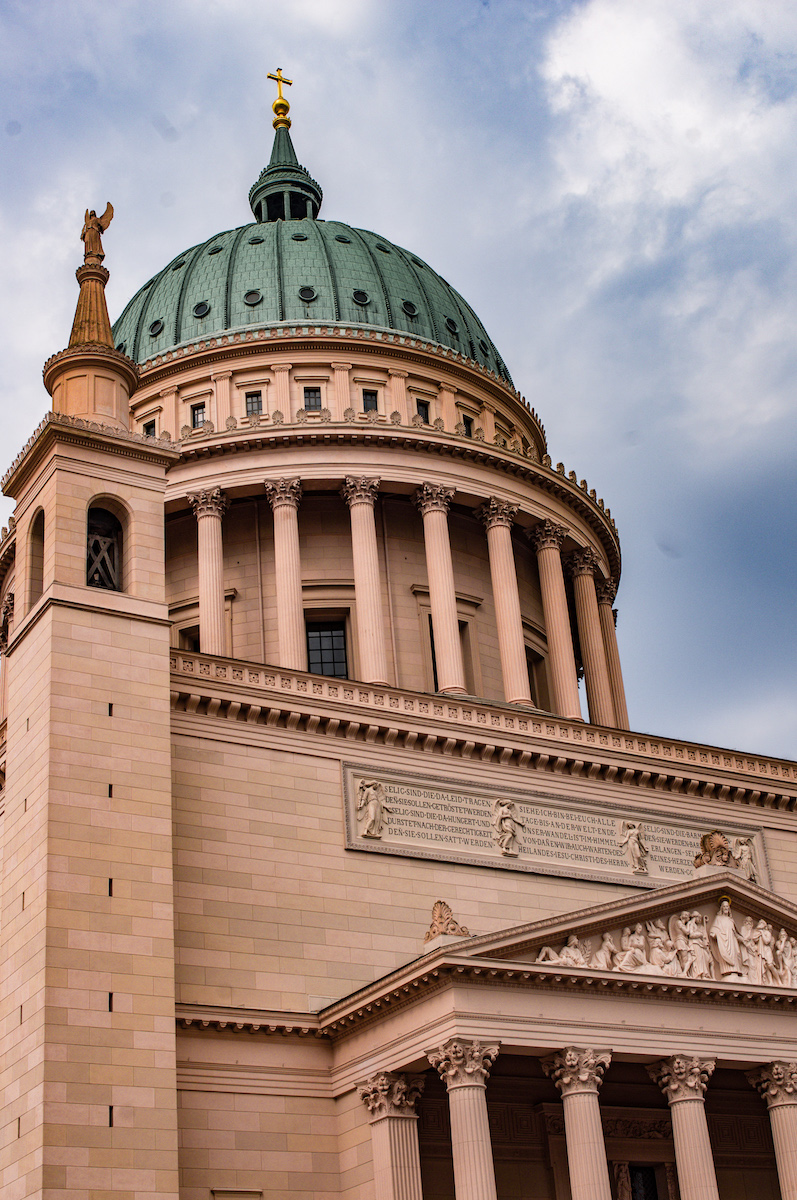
x: 531, y: 831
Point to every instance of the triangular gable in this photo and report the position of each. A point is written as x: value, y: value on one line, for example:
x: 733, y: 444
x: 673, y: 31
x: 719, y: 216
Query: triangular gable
x: 719, y: 927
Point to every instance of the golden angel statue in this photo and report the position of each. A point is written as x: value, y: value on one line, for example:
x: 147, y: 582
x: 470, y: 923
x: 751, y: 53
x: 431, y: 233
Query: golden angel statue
x: 93, y: 227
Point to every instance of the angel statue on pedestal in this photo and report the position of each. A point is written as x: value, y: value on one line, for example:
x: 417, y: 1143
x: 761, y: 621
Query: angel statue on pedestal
x: 93, y: 227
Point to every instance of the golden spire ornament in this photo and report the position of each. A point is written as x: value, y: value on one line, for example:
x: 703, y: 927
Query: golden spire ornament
x: 281, y: 107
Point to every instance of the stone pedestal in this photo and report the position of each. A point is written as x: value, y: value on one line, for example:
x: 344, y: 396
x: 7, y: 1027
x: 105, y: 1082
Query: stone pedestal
x: 209, y: 507
x: 683, y: 1080
x: 464, y: 1068
x: 578, y: 1074
x: 284, y: 497
x: 777, y: 1084
x: 390, y: 1100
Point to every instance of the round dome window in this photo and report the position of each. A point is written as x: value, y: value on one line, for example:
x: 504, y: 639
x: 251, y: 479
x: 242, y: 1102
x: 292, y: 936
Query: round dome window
x: 410, y: 309
x: 341, y: 237
x: 179, y: 264
x: 155, y: 328
x: 381, y: 246
x: 299, y: 237
x: 360, y: 297
x: 307, y: 294
x: 451, y: 325
x: 202, y: 309
x: 252, y: 298
x: 122, y: 347
x: 216, y: 250
x: 255, y: 241
x: 485, y: 349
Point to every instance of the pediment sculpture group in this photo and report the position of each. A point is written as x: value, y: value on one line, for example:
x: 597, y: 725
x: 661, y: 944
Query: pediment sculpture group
x: 689, y: 945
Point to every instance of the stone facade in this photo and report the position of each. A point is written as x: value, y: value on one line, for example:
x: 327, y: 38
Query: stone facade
x: 398, y: 921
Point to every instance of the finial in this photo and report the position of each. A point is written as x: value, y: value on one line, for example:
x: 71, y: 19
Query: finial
x: 281, y: 106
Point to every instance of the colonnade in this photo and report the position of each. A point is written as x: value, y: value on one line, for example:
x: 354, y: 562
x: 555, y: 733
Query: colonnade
x: 464, y: 1067
x: 594, y: 615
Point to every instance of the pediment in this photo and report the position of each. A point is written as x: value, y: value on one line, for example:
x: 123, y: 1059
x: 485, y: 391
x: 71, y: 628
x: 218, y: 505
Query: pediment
x: 718, y: 928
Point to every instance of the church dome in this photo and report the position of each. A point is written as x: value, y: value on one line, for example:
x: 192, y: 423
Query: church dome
x: 279, y: 271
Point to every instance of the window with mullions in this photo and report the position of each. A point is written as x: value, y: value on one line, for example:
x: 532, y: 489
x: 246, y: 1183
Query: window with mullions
x: 312, y: 399
x: 422, y: 409
x: 197, y: 416
x: 326, y: 648
x: 254, y: 403
x: 370, y: 401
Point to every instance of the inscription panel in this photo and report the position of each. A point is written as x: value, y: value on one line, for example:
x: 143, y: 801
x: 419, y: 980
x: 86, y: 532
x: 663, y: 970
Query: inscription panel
x: 534, y: 831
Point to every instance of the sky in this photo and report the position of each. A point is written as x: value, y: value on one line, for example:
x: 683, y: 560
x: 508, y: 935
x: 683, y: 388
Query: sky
x: 610, y: 183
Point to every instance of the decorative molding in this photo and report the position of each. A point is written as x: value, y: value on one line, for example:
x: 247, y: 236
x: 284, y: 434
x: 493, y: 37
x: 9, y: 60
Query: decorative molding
x: 776, y: 1083
x: 433, y: 497
x: 388, y: 1094
x: 360, y: 490
x: 682, y: 1076
x: 575, y: 1069
x: 209, y: 502
x: 582, y: 562
x: 496, y: 512
x: 284, y: 492
x: 463, y: 1064
x: 443, y: 923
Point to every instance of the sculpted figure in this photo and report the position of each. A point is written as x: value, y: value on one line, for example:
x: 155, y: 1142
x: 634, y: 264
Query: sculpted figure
x: 631, y: 838
x: 371, y: 807
x: 574, y: 954
x: 763, y: 936
x: 748, y: 946
x: 679, y: 933
x: 783, y: 959
x: 93, y: 227
x: 663, y: 954
x: 603, y: 958
x: 505, y: 823
x: 715, y: 851
x: 745, y: 857
x: 726, y: 942
x: 633, y: 954
x: 700, y: 947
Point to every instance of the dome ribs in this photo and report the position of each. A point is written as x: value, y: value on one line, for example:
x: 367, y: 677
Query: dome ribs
x: 178, y: 316
x: 231, y: 265
x: 319, y: 233
x: 359, y: 234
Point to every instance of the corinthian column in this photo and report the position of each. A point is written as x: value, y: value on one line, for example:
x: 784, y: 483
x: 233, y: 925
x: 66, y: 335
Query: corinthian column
x: 433, y: 501
x: 596, y: 673
x: 390, y: 1100
x: 284, y: 497
x: 209, y: 507
x: 464, y: 1068
x: 606, y: 591
x: 777, y: 1084
x: 497, y: 516
x: 546, y: 539
x: 360, y: 495
x: 683, y: 1081
x: 578, y: 1074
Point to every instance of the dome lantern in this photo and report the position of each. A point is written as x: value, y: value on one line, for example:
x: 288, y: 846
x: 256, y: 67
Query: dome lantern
x: 285, y: 190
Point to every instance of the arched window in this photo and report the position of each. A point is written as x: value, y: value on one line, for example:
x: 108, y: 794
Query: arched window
x: 36, y: 558
x: 104, y: 550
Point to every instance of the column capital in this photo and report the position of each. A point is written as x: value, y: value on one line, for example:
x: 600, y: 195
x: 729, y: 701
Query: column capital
x: 388, y: 1094
x: 433, y: 497
x: 606, y: 590
x: 360, y: 490
x: 463, y: 1064
x: 284, y: 492
x: 575, y: 1069
x: 682, y: 1077
x: 582, y: 562
x: 776, y: 1083
x: 280, y: 366
x: 341, y: 366
x: 496, y: 512
x: 221, y: 375
x: 396, y: 373
x: 547, y: 536
x: 447, y: 387
x: 170, y: 390
x: 209, y: 502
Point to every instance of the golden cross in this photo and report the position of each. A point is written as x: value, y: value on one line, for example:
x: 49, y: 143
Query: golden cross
x: 279, y: 79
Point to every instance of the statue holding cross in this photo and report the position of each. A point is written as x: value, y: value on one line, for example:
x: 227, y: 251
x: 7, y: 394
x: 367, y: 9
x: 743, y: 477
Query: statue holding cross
x: 281, y: 106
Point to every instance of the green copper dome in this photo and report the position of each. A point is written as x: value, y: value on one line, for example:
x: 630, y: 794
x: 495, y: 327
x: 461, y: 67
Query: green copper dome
x: 300, y: 270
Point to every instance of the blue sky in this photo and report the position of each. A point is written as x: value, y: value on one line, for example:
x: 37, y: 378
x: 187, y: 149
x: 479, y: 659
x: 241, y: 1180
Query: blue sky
x: 610, y: 183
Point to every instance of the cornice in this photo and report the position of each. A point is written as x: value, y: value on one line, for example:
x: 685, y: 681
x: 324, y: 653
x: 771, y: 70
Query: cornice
x: 453, y: 727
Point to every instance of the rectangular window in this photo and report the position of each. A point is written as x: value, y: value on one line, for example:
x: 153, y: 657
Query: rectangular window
x: 254, y: 403
x: 422, y: 409
x: 326, y: 648
x: 312, y: 399
x: 197, y: 416
x: 148, y: 429
x: 468, y: 423
x: 370, y: 401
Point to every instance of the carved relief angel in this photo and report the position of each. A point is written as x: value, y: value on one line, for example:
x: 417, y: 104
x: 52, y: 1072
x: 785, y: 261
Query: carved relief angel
x: 663, y: 954
x: 93, y: 227
x: 630, y: 837
x: 745, y: 857
x: 371, y: 807
x: 505, y: 823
